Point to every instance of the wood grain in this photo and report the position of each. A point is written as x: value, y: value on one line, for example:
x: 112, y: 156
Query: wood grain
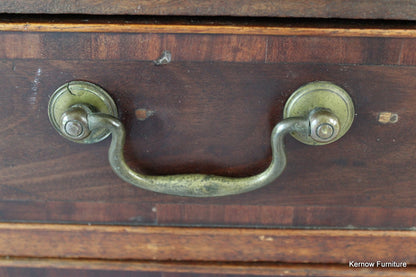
x: 88, y: 268
x: 328, y: 30
x: 201, y: 125
x: 205, y: 244
x: 269, y: 49
x: 214, y: 106
x: 364, y: 9
x: 206, y: 214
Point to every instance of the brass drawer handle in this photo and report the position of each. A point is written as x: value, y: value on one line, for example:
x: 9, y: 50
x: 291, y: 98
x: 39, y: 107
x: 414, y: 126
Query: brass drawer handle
x: 317, y: 113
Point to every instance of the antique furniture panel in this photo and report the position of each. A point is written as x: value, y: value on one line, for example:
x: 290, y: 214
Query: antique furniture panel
x: 209, y: 110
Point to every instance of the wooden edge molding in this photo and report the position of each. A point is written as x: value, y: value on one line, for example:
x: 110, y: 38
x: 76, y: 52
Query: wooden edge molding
x: 257, y: 269
x: 205, y: 244
x: 205, y: 29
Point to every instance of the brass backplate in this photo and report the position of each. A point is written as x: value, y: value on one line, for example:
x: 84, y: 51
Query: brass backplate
x: 81, y: 92
x: 325, y: 95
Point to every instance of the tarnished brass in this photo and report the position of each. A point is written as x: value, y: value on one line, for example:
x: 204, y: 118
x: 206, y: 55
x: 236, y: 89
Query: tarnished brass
x: 74, y: 123
x: 68, y: 96
x: 79, y: 120
x: 324, y: 125
x: 327, y: 97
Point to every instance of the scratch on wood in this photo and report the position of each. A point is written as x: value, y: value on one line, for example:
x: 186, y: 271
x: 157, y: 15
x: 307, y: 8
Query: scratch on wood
x: 388, y: 117
x: 36, y: 81
x: 136, y: 218
x: 35, y: 87
x: 143, y: 114
x: 400, y: 58
x: 264, y: 238
x: 266, y: 51
x: 165, y: 58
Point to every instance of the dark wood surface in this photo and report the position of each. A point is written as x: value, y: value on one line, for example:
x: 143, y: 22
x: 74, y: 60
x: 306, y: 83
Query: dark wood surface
x: 214, y: 107
x: 90, y: 268
x: 356, y: 9
x: 170, y: 244
x: 331, y: 46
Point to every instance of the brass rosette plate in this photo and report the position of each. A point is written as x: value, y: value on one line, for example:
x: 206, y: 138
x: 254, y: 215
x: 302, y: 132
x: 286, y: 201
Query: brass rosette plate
x: 324, y: 95
x: 79, y: 92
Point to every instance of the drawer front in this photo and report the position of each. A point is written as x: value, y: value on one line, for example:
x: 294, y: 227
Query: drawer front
x: 209, y: 110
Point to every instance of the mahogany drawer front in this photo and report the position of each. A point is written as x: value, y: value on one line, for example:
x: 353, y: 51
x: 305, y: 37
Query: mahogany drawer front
x: 213, y: 107
x: 149, y: 269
